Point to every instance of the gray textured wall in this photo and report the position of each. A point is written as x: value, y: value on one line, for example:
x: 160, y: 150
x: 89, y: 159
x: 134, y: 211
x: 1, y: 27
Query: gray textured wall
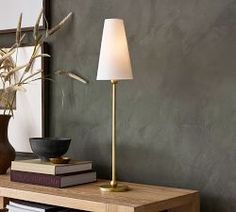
x: 177, y: 118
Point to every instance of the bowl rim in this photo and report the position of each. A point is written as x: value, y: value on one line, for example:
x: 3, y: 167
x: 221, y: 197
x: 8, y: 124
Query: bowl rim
x: 50, y: 139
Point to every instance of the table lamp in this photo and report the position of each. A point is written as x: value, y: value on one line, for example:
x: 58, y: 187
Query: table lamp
x: 114, y: 65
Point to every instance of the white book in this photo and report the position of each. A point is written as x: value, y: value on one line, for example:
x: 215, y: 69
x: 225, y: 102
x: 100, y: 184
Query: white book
x: 12, y: 208
x: 30, y: 206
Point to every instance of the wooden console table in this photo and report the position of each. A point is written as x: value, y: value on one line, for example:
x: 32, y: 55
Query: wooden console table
x: 141, y: 198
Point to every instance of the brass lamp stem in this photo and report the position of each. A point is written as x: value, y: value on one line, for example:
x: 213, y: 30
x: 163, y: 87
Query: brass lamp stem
x: 114, y: 186
x: 113, y: 182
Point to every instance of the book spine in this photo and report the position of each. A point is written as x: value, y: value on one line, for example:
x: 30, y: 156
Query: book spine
x: 35, y: 178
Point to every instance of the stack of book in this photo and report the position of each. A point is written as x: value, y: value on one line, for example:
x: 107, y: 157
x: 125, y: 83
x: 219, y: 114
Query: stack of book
x: 53, y: 175
x: 24, y: 206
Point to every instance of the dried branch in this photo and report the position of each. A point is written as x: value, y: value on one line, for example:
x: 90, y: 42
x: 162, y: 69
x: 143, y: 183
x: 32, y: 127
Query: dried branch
x: 6, y: 56
x: 18, y: 30
x: 13, y: 72
x: 36, y: 27
x: 72, y: 75
x: 14, y: 76
x: 59, y: 25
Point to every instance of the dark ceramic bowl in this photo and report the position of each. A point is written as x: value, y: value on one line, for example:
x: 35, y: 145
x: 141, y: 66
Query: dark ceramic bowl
x: 46, y: 148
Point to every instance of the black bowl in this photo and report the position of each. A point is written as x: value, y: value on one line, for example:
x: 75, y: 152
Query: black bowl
x: 46, y: 148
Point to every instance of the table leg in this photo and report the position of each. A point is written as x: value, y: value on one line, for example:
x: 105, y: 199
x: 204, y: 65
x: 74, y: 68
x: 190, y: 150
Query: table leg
x: 3, y: 202
x: 194, y: 206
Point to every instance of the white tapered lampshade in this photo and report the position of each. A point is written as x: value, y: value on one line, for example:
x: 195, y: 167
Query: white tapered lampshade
x: 114, y: 61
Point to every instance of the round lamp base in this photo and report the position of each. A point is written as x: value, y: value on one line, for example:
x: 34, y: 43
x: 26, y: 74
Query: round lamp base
x: 118, y: 188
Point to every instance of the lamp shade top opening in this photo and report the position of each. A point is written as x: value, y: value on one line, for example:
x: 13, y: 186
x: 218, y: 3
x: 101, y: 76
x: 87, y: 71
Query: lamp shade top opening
x: 114, y: 61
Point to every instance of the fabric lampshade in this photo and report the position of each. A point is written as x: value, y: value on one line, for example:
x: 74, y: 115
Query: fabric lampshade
x: 114, y: 61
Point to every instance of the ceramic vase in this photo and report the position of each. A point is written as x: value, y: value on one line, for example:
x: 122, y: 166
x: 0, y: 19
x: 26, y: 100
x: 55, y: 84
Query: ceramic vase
x: 7, y: 152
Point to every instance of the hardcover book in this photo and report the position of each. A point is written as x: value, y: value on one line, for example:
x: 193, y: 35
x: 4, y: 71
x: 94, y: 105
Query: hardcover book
x: 11, y: 208
x: 24, y: 206
x: 59, y: 181
x: 37, y: 166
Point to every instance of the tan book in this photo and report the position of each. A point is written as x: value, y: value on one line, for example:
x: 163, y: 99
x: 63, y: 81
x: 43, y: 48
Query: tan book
x: 37, y: 166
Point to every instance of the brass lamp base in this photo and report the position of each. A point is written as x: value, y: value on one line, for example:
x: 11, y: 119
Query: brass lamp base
x: 118, y: 188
